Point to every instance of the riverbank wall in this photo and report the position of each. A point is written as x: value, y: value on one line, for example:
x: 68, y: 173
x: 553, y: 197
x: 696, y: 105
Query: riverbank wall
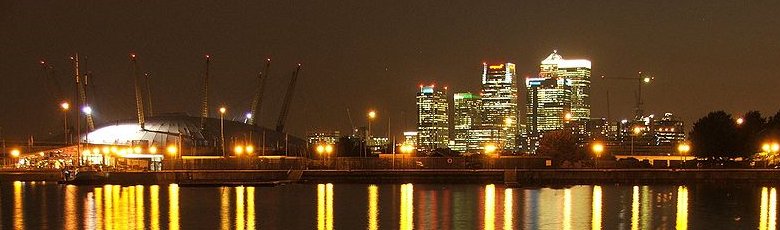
x: 525, y: 177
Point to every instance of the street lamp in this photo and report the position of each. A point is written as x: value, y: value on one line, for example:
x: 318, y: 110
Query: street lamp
x: 371, y: 116
x: 15, y: 153
x: 490, y: 149
x: 637, y: 130
x: 597, y: 148
x: 222, y: 111
x: 683, y: 148
x: 65, y: 106
x: 238, y: 150
x: 740, y: 121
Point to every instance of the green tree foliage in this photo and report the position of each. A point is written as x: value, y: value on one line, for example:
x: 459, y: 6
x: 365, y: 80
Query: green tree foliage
x: 750, y: 132
x: 715, y: 135
x: 561, y: 146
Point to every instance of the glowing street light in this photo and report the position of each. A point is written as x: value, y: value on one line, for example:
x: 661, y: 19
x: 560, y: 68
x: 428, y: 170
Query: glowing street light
x: 328, y: 149
x: 238, y: 150
x: 153, y: 150
x: 172, y: 150
x: 65, y: 106
x: 407, y: 148
x: 597, y: 149
x: 15, y: 153
x: 740, y: 121
x: 490, y: 149
x: 683, y: 148
x: 567, y: 116
x: 371, y: 116
x: 87, y: 110
x: 249, y: 149
x: 637, y: 130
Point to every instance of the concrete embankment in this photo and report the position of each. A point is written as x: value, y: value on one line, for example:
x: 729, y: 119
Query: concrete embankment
x: 518, y: 177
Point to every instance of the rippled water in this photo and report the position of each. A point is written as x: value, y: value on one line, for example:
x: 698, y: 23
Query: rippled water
x: 29, y: 205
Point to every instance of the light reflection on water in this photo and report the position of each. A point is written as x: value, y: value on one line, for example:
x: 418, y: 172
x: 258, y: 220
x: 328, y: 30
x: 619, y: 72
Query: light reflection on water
x: 405, y: 206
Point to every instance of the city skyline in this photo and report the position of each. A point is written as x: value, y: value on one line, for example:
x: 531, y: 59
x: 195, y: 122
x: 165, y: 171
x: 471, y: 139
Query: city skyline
x: 680, y: 47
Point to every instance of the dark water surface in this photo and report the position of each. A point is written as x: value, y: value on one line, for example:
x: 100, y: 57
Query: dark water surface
x: 37, y: 205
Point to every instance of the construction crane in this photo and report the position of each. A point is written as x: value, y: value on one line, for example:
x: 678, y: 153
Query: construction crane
x: 257, y: 102
x: 53, y: 85
x: 351, y: 123
x: 205, y: 102
x: 287, y: 100
x: 139, y: 102
x: 81, y: 92
x: 148, y: 79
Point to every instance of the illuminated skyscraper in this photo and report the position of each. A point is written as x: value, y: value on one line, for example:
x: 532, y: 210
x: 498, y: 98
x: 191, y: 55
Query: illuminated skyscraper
x: 560, y: 94
x: 578, y: 73
x: 548, y: 101
x: 466, y: 117
x: 432, y: 119
x: 499, y: 103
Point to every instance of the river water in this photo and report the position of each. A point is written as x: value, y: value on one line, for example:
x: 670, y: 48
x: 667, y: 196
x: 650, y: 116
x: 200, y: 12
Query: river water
x: 37, y: 205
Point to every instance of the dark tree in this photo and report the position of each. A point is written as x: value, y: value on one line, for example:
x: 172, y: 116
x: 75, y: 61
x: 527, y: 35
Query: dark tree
x: 561, y: 146
x: 771, y: 128
x: 715, y: 136
x: 749, y: 133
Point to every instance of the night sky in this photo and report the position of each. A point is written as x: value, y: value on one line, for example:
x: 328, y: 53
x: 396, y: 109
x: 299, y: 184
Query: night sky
x: 705, y: 55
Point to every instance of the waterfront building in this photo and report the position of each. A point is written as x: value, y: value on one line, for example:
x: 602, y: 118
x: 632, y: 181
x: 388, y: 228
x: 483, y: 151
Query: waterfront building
x: 669, y: 130
x: 466, y: 117
x: 648, y: 135
x: 499, y: 104
x: 322, y: 137
x: 432, y: 119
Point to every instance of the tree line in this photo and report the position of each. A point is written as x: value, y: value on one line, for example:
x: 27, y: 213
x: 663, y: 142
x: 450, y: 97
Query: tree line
x: 719, y: 135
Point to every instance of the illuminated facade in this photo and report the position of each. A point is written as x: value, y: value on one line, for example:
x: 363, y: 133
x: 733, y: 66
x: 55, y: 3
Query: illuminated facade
x: 432, y: 119
x: 577, y: 72
x: 499, y: 103
x: 466, y: 117
x: 558, y: 98
x: 669, y: 130
x: 320, y: 137
x: 548, y: 100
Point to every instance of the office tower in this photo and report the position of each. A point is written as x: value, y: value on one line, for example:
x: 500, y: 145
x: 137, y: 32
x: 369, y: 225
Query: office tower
x: 548, y: 101
x: 499, y: 104
x: 466, y: 116
x: 578, y: 73
x: 432, y: 119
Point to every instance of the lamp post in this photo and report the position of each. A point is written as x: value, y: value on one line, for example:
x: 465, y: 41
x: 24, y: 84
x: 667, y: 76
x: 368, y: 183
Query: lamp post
x: 770, y: 149
x: 371, y: 116
x: 88, y: 112
x: 15, y: 153
x: 222, y: 111
x: 636, y: 131
x: 65, y: 107
x: 172, y: 150
x: 597, y: 148
x: 683, y: 148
